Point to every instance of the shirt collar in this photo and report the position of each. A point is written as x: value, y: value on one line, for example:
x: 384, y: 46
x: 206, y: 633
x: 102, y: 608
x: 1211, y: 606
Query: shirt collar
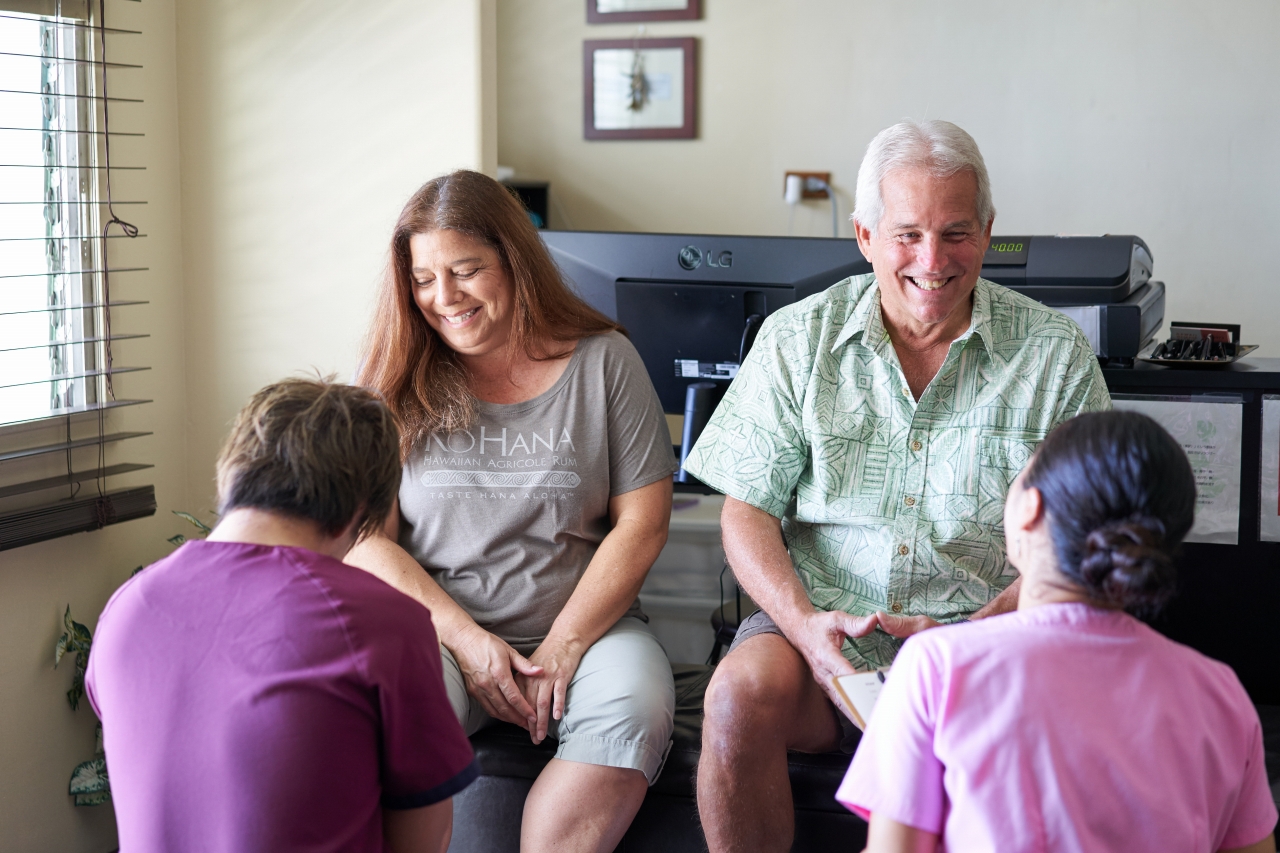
x: 980, y: 325
x: 865, y: 319
x: 864, y: 316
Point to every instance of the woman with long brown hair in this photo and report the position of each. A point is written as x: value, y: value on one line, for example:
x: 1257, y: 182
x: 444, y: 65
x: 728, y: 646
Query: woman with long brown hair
x: 536, y: 496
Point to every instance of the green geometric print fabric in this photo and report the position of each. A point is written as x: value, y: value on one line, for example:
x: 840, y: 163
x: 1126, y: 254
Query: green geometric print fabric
x: 888, y: 503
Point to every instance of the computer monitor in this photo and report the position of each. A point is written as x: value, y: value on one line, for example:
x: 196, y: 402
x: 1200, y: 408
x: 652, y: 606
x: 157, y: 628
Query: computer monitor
x: 693, y: 302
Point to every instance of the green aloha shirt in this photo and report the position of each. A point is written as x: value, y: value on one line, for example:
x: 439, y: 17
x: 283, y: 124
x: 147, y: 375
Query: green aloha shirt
x: 888, y: 503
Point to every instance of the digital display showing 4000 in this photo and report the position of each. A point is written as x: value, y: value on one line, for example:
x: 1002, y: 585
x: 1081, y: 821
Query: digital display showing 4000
x: 1007, y: 251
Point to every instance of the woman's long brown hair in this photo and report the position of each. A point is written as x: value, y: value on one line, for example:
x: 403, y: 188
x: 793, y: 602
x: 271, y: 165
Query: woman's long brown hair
x: 418, y: 375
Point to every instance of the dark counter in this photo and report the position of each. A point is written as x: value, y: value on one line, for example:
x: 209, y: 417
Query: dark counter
x: 1226, y: 605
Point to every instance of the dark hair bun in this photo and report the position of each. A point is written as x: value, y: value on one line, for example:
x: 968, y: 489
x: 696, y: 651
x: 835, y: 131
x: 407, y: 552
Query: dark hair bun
x: 1126, y: 564
x: 1119, y: 494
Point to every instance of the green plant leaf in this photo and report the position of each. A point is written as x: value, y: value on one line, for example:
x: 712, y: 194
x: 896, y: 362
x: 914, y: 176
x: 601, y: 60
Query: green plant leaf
x: 176, y: 540
x: 77, y: 680
x: 64, y: 641
x: 76, y: 639
x: 80, y: 638
x: 90, y: 784
x: 90, y: 777
x: 135, y: 571
x: 197, y: 523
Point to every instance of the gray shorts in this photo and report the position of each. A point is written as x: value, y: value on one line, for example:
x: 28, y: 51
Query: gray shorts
x: 761, y: 623
x: 619, y: 709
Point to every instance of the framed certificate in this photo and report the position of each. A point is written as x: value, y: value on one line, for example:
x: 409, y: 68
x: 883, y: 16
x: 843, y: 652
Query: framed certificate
x: 640, y: 88
x: 631, y: 11
x: 1210, y: 429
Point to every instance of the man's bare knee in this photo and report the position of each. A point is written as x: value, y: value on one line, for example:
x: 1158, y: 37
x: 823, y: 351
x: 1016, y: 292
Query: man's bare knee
x: 731, y: 697
x: 763, y: 693
x: 754, y: 688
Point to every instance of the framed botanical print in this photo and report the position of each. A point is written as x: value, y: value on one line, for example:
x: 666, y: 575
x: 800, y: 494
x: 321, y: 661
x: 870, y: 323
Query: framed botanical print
x: 640, y: 88
x: 632, y: 11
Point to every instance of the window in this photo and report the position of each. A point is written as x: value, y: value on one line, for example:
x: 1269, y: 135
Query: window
x: 58, y: 219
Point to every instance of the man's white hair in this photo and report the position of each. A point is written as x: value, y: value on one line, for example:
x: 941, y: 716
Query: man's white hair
x: 939, y: 146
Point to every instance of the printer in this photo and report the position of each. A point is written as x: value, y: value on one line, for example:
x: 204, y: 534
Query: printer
x: 692, y: 303
x: 1103, y: 283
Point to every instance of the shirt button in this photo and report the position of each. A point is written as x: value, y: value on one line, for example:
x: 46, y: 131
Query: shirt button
x: 915, y: 445
x: 906, y: 391
x: 911, y: 501
x: 897, y: 607
x: 903, y: 550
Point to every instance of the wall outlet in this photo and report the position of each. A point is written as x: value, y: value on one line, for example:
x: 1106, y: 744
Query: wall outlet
x: 805, y: 190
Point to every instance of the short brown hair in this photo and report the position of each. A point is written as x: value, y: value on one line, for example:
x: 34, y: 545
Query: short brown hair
x: 314, y: 449
x: 417, y: 373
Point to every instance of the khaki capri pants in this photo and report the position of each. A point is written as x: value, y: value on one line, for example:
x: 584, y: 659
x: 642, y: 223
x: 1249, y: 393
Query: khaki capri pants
x: 619, y: 709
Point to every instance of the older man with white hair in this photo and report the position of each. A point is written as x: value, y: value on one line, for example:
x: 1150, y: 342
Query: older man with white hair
x: 865, y: 450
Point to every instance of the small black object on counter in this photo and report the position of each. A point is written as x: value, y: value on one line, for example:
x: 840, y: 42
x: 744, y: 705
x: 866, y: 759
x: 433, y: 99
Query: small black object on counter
x: 1200, y: 345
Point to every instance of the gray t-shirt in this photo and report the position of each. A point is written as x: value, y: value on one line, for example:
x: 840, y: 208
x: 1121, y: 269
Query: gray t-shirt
x: 507, y: 514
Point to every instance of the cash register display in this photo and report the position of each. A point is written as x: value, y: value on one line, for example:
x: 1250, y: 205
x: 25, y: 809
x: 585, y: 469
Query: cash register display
x: 1007, y: 252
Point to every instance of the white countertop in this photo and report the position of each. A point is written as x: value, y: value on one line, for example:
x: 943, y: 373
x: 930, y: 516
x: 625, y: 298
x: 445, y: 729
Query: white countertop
x: 696, y: 513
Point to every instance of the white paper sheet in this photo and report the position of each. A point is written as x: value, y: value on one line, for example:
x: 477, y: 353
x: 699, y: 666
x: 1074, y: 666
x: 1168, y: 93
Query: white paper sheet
x: 1209, y: 430
x: 1269, y: 492
x: 1089, y: 319
x: 860, y: 690
x: 664, y: 74
x: 639, y: 5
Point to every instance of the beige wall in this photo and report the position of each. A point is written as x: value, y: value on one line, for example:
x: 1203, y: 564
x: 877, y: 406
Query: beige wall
x: 282, y: 139
x: 41, y: 740
x: 305, y: 127
x: 1153, y: 117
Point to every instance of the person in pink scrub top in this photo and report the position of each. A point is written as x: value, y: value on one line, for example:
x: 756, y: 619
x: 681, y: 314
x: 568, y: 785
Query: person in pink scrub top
x: 1068, y: 724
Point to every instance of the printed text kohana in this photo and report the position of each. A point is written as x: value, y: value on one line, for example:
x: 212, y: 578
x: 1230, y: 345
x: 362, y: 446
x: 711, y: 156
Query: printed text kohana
x: 500, y: 443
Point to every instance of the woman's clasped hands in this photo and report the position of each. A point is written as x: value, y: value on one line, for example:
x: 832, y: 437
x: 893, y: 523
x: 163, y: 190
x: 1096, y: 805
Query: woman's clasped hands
x: 546, y: 690
x: 527, y: 692
x: 489, y: 668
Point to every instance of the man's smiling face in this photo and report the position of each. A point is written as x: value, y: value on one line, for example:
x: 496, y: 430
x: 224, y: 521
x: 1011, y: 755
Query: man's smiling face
x: 927, y: 250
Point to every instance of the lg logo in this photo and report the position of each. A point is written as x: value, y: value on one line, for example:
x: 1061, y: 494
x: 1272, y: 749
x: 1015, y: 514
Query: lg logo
x: 691, y: 258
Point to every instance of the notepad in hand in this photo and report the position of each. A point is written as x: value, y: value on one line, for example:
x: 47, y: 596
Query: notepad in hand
x: 858, y: 692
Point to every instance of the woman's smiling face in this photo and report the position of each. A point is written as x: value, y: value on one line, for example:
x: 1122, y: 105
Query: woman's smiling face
x: 462, y: 290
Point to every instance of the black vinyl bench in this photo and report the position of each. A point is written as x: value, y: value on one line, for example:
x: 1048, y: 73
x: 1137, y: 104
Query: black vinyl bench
x: 487, y: 814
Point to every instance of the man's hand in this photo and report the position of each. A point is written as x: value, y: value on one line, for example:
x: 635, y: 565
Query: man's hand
x: 819, y: 638
x: 487, y: 663
x: 546, y: 691
x: 904, y: 626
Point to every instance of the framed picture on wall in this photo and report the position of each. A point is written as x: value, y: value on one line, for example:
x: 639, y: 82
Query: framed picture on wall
x: 640, y: 88
x: 630, y: 11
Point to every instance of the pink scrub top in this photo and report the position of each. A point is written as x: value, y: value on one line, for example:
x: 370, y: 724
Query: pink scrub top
x: 1063, y: 728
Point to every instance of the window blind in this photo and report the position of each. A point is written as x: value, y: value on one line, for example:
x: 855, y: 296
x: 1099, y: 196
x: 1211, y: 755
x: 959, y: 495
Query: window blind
x: 65, y: 203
